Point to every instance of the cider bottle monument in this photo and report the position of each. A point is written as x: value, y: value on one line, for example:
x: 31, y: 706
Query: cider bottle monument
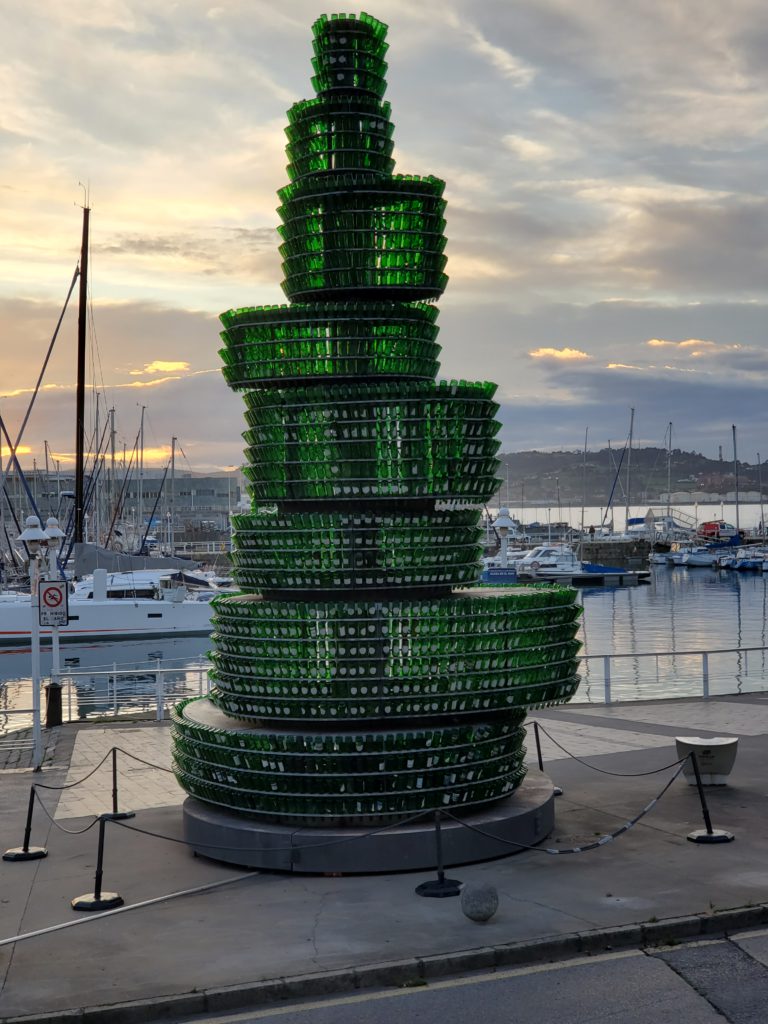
x: 359, y: 680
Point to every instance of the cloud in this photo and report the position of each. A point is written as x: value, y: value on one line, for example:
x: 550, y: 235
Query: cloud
x: 527, y: 149
x: 161, y: 366
x: 559, y: 354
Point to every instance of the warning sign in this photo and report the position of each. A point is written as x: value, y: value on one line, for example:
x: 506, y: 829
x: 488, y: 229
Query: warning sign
x: 52, y: 605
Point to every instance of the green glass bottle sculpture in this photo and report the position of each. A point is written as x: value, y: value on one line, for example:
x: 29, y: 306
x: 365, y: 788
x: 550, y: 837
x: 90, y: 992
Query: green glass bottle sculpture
x: 353, y: 683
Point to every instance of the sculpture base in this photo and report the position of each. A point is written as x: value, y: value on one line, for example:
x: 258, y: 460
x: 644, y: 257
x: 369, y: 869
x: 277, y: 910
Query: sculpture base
x: 526, y: 817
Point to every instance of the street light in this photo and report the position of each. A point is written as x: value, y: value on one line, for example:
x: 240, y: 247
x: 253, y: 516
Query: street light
x: 503, y: 524
x: 37, y: 541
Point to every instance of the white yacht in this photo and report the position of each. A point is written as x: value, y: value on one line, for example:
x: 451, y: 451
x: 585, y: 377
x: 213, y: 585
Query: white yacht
x: 111, y: 606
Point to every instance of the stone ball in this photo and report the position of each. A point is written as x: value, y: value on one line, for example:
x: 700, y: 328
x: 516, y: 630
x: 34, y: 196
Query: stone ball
x: 479, y: 901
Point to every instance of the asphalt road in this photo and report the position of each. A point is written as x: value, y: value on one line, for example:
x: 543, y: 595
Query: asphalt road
x: 708, y: 982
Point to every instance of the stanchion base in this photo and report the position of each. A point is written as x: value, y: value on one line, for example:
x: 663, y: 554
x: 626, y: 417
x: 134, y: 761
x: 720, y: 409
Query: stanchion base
x: 19, y: 853
x: 117, y: 815
x: 90, y: 901
x: 439, y: 888
x: 717, y: 835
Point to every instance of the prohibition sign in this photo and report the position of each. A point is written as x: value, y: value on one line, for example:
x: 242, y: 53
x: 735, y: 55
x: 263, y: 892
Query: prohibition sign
x: 52, y: 597
x: 52, y: 606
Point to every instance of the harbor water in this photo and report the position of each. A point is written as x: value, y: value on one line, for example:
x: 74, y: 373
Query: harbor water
x: 686, y: 633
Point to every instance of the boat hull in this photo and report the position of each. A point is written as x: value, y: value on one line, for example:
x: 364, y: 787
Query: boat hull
x: 109, y: 620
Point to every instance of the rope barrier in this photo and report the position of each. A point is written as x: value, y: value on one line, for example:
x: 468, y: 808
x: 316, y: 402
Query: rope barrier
x: 602, y: 841
x: 279, y: 849
x: 149, y: 764
x: 68, y: 831
x: 604, y: 771
x: 71, y: 785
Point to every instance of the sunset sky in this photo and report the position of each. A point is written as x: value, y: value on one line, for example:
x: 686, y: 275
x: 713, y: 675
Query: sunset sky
x: 607, y: 215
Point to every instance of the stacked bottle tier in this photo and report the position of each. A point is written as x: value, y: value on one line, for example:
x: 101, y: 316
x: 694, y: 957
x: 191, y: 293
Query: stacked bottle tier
x: 343, y: 134
x: 275, y: 345
x: 366, y: 776
x: 342, y: 551
x: 349, y: 55
x: 432, y: 441
x: 362, y: 238
x: 345, y: 661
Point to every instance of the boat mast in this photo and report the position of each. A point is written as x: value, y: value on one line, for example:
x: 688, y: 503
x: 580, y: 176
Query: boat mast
x: 629, y: 461
x: 80, y: 389
x: 736, y: 475
x: 140, y: 503
x: 669, y: 474
x: 760, y: 488
x: 171, y: 509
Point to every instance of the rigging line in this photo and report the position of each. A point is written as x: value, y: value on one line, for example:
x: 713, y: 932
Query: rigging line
x: 4, y: 472
x: 154, y: 509
x: 20, y: 474
x: 123, y: 489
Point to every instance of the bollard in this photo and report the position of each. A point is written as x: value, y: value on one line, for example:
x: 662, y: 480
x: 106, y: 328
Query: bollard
x: 707, y: 834
x: 98, y: 900
x: 53, y: 705
x: 116, y: 814
x: 27, y: 852
x: 441, y: 886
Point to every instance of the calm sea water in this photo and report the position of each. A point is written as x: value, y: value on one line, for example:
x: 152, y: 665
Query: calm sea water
x: 658, y: 629
x: 681, y: 613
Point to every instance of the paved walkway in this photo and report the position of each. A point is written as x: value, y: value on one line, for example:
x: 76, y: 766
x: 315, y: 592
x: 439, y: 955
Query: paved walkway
x: 259, y: 937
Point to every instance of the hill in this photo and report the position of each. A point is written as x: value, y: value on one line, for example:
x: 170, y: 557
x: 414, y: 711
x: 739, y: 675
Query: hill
x: 544, y: 477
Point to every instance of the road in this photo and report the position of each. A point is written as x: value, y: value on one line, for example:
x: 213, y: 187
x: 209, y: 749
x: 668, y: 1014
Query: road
x: 709, y: 982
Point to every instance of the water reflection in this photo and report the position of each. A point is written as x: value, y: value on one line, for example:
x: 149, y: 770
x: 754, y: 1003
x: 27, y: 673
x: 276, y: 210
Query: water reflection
x: 90, y: 685
x: 681, y: 610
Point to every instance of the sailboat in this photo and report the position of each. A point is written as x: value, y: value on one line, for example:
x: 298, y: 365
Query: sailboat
x: 151, y: 602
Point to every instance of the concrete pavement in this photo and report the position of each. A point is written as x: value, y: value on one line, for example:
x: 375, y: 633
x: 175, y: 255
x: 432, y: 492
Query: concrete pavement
x: 259, y: 938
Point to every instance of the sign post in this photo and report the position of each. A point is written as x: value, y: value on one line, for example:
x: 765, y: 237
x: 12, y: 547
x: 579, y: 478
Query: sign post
x: 53, y: 609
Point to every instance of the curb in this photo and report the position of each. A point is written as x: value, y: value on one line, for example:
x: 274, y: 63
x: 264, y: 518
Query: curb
x: 413, y: 971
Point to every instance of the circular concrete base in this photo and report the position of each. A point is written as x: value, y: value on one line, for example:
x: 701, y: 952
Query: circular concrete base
x: 526, y: 817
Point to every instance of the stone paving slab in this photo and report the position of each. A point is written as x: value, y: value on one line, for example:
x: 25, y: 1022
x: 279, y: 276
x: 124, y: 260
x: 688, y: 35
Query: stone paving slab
x: 723, y: 717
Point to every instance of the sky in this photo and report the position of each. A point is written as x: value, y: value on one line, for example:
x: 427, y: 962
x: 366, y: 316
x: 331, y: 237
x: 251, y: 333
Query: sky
x: 607, y: 215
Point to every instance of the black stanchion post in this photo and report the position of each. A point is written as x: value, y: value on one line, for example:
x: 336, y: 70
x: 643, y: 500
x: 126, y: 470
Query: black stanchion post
x: 98, y: 900
x: 707, y: 834
x: 441, y: 886
x: 116, y: 814
x: 538, y: 746
x: 556, y: 789
x: 27, y: 852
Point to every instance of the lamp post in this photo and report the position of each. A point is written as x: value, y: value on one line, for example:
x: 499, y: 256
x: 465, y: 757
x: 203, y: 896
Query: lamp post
x: 55, y: 536
x: 36, y: 540
x: 503, y: 523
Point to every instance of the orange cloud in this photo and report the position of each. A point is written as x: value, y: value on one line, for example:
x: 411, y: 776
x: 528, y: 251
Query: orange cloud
x: 161, y: 366
x: 694, y: 343
x: 561, y: 354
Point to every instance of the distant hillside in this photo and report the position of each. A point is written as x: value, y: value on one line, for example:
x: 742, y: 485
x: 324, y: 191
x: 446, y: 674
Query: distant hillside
x: 540, y: 476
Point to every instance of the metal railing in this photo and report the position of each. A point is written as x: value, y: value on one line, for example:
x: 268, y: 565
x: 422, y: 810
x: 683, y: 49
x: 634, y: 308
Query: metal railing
x: 658, y: 675
x: 104, y: 693
x: 606, y: 678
